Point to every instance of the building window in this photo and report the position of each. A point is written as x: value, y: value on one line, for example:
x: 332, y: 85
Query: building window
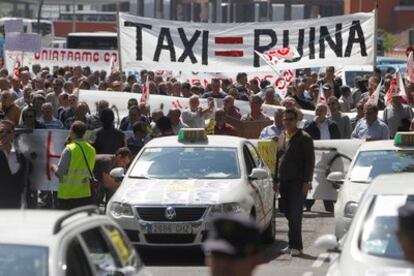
x: 406, y: 3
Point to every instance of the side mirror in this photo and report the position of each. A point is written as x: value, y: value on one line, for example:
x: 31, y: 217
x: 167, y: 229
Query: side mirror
x: 258, y: 173
x: 328, y: 243
x: 336, y: 179
x: 117, y: 173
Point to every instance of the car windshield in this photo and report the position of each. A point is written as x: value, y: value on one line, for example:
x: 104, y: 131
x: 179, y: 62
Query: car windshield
x: 351, y: 75
x: 23, y: 260
x: 370, y: 164
x: 187, y: 162
x: 378, y: 235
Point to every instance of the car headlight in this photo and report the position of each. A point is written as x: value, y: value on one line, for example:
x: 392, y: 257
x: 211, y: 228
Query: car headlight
x: 118, y: 209
x: 350, y: 209
x: 226, y: 208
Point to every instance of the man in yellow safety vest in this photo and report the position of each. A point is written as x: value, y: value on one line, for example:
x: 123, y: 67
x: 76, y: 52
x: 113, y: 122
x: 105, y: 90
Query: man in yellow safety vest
x: 74, y: 170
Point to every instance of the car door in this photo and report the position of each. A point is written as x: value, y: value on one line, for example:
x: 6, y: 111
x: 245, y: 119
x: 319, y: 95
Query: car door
x: 100, y: 252
x: 131, y: 263
x: 265, y: 185
x: 255, y: 185
x: 75, y: 260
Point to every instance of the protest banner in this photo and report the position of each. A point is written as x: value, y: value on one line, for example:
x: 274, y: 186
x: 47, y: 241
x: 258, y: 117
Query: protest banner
x: 205, y: 47
x: 95, y: 59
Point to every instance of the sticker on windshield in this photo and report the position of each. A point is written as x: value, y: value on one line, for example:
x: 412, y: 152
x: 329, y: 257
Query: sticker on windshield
x: 387, y: 205
x: 141, y: 168
x: 361, y: 174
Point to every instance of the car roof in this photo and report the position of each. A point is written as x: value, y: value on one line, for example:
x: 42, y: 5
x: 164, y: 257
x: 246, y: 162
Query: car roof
x: 35, y: 227
x: 391, y: 184
x: 222, y: 141
x: 382, y: 145
x: 367, y: 68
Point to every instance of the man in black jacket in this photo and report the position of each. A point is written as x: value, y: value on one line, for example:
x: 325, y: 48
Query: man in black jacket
x: 321, y: 127
x: 14, y: 169
x: 294, y: 172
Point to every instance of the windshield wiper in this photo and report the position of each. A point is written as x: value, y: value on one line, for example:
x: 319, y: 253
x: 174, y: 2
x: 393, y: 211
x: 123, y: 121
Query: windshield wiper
x: 140, y: 177
x: 360, y: 181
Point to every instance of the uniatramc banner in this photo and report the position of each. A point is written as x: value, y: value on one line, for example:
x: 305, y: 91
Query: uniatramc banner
x: 203, y: 47
x: 95, y: 59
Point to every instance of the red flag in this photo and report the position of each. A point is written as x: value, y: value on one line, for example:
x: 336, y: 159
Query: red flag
x: 16, y: 69
x: 145, y: 93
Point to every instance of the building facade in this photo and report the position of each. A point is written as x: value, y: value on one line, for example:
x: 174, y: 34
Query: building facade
x: 393, y: 15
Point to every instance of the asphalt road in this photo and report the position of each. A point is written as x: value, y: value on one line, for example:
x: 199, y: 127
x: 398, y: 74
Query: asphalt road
x: 314, y: 262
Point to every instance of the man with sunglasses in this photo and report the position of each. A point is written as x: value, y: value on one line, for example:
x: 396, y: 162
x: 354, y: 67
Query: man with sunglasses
x: 294, y: 171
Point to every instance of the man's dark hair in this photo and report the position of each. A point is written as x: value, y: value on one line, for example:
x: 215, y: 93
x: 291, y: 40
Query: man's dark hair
x: 240, y: 75
x: 79, y: 128
x: 255, y: 81
x: 132, y: 102
x: 124, y: 152
x: 164, y: 124
x: 264, y: 83
x: 107, y: 118
x: 291, y: 111
x: 139, y: 126
x: 345, y: 89
x: 185, y: 85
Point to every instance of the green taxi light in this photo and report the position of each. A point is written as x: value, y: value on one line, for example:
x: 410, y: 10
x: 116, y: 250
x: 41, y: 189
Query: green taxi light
x: 404, y: 139
x: 192, y: 135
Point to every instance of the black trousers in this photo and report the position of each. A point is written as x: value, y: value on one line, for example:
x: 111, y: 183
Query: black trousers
x: 291, y: 203
x: 67, y: 204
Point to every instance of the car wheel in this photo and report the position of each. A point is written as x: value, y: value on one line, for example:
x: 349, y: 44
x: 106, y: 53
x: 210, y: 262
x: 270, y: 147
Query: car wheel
x: 329, y: 205
x: 270, y: 231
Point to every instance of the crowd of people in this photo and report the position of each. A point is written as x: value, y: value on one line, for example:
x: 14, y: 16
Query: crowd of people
x: 44, y: 98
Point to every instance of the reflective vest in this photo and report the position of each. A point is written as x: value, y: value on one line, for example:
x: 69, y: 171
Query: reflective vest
x: 76, y: 183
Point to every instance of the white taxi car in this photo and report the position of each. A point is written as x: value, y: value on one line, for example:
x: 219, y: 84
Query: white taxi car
x: 79, y: 242
x: 372, y: 159
x: 177, y: 183
x: 371, y: 246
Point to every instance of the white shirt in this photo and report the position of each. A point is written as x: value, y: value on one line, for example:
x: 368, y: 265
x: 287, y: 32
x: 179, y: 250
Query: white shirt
x: 193, y: 118
x: 12, y: 161
x: 324, y: 130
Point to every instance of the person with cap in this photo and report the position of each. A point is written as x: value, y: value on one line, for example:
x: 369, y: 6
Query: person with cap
x: 405, y: 230
x: 395, y: 112
x: 234, y: 246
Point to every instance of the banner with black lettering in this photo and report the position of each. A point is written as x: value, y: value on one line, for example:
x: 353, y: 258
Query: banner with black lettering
x: 205, y: 47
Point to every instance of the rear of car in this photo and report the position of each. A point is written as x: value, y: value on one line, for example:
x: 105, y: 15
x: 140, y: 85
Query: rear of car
x: 78, y: 242
x: 371, y: 246
x: 371, y: 160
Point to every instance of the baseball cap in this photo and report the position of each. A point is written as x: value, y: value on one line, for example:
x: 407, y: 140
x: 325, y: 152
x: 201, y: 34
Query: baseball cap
x: 236, y: 236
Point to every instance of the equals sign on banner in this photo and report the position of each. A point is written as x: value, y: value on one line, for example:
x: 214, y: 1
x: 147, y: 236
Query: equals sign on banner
x: 228, y: 41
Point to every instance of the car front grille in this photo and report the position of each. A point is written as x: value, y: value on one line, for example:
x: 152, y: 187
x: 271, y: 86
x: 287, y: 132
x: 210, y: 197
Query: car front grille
x: 182, y: 213
x: 170, y: 238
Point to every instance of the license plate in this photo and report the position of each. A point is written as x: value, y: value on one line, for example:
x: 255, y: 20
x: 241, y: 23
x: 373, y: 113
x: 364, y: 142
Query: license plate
x: 170, y: 228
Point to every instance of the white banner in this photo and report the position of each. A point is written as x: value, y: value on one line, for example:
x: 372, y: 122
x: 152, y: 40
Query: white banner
x: 201, y: 47
x: 95, y: 59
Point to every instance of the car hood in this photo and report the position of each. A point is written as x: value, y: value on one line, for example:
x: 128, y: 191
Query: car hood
x: 180, y: 191
x: 355, y: 190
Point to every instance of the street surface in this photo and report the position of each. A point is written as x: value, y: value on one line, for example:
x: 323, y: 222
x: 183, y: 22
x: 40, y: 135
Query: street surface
x: 314, y: 262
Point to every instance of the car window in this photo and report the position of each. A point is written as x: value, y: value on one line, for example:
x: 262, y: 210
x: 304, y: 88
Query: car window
x: 370, y: 164
x: 76, y: 260
x: 187, y: 163
x: 248, y: 159
x: 100, y: 252
x: 121, y: 243
x: 255, y: 155
x: 22, y: 260
x: 378, y: 233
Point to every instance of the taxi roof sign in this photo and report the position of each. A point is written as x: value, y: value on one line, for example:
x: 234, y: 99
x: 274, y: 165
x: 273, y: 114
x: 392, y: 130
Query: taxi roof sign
x: 192, y: 135
x: 404, y: 139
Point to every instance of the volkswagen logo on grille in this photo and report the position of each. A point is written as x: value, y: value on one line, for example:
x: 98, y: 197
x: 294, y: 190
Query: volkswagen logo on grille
x: 170, y: 213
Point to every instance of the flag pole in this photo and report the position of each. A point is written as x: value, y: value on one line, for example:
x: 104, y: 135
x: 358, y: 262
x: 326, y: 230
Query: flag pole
x: 374, y: 64
x: 118, y: 34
